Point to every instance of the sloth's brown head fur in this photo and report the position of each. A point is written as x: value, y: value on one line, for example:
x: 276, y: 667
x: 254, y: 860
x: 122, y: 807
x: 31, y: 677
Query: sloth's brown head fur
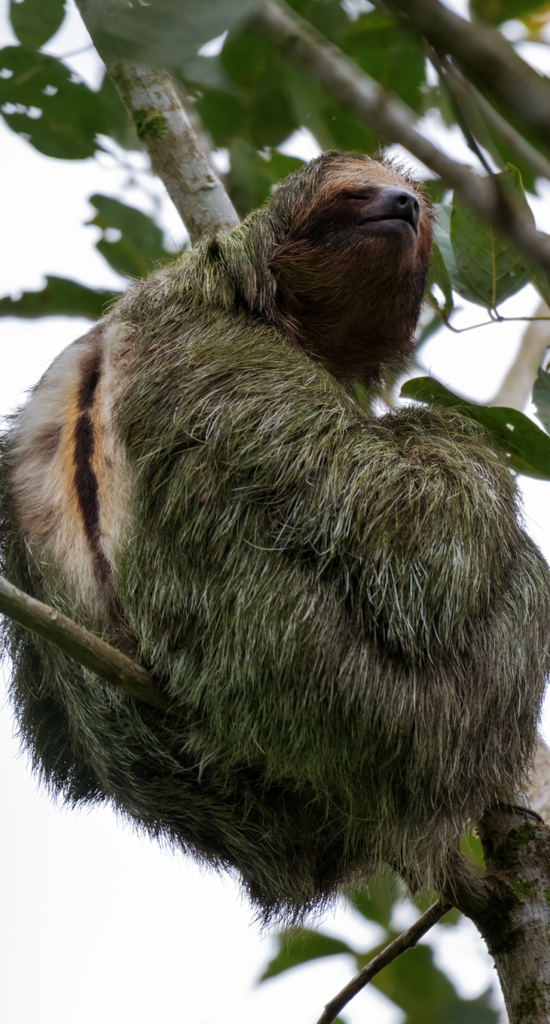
x: 352, y: 266
x: 337, y: 259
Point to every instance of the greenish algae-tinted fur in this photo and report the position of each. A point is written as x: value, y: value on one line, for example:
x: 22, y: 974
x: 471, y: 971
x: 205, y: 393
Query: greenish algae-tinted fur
x: 345, y: 608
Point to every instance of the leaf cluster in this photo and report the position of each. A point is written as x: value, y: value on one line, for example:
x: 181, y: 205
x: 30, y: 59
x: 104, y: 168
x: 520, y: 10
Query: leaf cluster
x: 413, y: 982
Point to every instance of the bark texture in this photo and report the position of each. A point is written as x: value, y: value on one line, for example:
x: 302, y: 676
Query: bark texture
x: 511, y: 908
x: 161, y: 123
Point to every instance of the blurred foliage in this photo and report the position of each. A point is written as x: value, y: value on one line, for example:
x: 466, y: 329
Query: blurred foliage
x: 495, y: 12
x: 138, y: 245
x: 527, y: 448
x: 59, y: 297
x: 413, y: 982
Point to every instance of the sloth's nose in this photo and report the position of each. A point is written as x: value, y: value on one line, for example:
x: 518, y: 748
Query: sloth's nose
x: 401, y: 205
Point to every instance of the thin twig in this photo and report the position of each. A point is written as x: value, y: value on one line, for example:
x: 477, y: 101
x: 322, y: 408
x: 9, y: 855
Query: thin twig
x: 493, y: 320
x: 405, y: 941
x: 78, y: 643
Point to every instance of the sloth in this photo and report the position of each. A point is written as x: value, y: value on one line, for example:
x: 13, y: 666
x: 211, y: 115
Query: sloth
x: 343, y: 609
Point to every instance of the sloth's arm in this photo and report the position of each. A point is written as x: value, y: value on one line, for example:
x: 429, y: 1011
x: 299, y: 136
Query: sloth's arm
x: 241, y: 445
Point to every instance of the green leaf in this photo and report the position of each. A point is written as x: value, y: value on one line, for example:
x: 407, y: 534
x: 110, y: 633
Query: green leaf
x: 489, y: 264
x: 257, y: 67
x: 472, y: 1011
x: 376, y: 904
x: 41, y: 99
x: 527, y: 448
x: 252, y: 176
x: 541, y: 398
x: 36, y: 21
x: 163, y: 33
x: 327, y: 16
x: 60, y: 297
x: 390, y: 52
x: 140, y: 244
x: 300, y: 947
x: 470, y: 846
x: 436, y: 189
x: 439, y: 275
x: 497, y: 11
x: 541, y: 281
x: 443, y: 241
x: 331, y: 125
x: 426, y: 995
x: 417, y: 986
x: 206, y: 73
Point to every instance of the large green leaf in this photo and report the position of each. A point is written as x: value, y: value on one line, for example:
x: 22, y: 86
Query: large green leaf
x: 487, y: 262
x: 301, y: 946
x: 139, y: 246
x: 60, y: 297
x: 526, y: 447
x: 390, y: 52
x: 443, y: 239
x: 60, y: 116
x: 541, y: 398
x: 36, y: 21
x: 161, y: 33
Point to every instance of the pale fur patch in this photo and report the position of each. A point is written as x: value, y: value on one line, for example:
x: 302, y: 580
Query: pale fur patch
x: 46, y: 501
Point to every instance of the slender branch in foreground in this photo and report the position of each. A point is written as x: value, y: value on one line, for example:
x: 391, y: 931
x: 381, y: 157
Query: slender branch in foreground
x: 366, y: 100
x: 403, y: 942
x: 488, y: 58
x: 164, y: 128
x: 538, y: 163
x: 78, y: 643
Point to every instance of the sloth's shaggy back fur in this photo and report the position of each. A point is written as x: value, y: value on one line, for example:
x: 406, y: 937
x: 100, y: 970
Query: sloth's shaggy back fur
x: 345, y: 608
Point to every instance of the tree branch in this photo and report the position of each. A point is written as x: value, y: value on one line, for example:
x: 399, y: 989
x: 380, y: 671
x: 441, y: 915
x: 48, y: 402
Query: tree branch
x: 78, y: 643
x: 403, y: 942
x: 367, y: 101
x: 163, y: 126
x: 509, y: 906
x: 531, y: 156
x: 487, y: 57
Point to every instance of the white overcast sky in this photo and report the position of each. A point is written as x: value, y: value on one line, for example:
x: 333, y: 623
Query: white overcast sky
x: 97, y: 924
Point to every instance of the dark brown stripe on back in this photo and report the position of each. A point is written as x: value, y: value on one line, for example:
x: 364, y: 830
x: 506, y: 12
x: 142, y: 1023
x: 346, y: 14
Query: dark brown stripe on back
x: 84, y: 476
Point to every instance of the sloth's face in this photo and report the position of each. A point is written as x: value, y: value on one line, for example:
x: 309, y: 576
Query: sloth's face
x: 375, y: 214
x: 351, y: 269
